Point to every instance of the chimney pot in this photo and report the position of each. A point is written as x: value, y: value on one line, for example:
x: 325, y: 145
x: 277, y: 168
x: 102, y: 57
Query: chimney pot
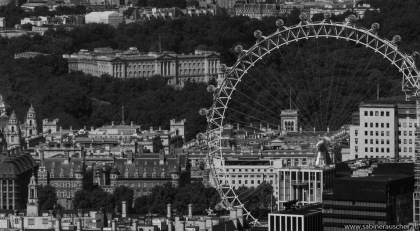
x: 124, y: 209
x: 169, y: 211
x: 190, y: 212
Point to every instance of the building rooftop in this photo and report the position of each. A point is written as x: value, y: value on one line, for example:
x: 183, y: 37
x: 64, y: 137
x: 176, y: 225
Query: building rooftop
x: 381, y: 178
x: 315, y: 208
x: 401, y: 99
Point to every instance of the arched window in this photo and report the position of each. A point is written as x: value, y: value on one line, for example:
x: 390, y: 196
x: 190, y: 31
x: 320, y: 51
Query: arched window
x: 13, y: 128
x: 30, y: 122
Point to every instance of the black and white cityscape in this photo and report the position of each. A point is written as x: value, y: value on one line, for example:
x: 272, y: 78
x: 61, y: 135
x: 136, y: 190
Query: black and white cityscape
x: 209, y: 115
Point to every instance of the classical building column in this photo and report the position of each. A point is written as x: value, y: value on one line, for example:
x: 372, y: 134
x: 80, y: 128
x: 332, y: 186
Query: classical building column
x: 13, y: 194
x: 1, y: 194
x: 7, y: 194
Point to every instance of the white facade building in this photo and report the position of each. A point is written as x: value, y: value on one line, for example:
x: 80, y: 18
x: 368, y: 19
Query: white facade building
x: 385, y: 130
x: 291, y: 178
x: 107, y: 17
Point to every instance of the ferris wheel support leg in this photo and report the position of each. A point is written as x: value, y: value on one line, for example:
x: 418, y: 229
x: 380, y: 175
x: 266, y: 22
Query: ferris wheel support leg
x: 416, y: 195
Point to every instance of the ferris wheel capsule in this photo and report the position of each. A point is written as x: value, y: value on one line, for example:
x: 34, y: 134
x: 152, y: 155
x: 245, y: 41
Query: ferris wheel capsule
x: 222, y: 67
x: 375, y: 26
x: 327, y: 15
x: 211, y: 88
x: 239, y: 49
x: 396, y: 39
x: 352, y: 18
x: 199, y: 136
x: 279, y: 23
x: 203, y: 112
x: 415, y: 55
x: 257, y: 34
x: 303, y: 17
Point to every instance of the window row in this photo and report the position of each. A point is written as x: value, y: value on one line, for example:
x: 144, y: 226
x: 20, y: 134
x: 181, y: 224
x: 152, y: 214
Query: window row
x: 381, y: 150
x: 410, y: 141
x: 376, y: 125
x: 246, y: 170
x: 410, y: 133
x: 405, y: 149
x: 376, y: 133
x: 377, y: 113
x: 372, y: 141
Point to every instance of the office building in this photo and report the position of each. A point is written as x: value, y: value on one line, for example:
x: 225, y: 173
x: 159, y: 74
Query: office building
x: 307, y: 218
x: 376, y: 200
x: 385, y: 129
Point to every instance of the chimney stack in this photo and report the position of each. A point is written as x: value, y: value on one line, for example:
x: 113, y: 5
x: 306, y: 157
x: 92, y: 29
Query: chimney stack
x: 57, y: 224
x: 124, y: 209
x: 300, y: 129
x: 190, y: 212
x: 41, y: 155
x: 80, y: 212
x: 328, y: 129
x: 91, y: 128
x: 22, y: 227
x: 182, y: 225
x: 135, y: 224
x: 160, y: 128
x: 170, y: 226
x: 113, y: 226
x: 79, y: 225
x: 237, y: 126
x: 233, y: 216
x: 314, y: 129
x: 71, y: 128
x: 151, y: 129
x: 132, y: 124
x: 240, y: 215
x: 169, y: 211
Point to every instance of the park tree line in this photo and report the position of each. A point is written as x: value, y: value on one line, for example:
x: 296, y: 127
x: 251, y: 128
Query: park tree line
x: 82, y: 100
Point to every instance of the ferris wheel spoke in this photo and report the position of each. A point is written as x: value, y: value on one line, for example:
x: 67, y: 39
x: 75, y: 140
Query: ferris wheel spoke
x: 307, y: 83
x: 256, y: 110
x: 336, y: 101
x: 297, y: 101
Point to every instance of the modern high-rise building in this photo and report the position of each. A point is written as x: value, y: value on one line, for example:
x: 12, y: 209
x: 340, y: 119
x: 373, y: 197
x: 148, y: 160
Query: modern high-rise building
x: 385, y: 128
x: 372, y: 200
x: 307, y: 218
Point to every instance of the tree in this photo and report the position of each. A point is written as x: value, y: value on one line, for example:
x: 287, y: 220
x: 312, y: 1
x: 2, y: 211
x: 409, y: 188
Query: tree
x: 142, y: 205
x: 123, y: 193
x: 81, y: 200
x: 157, y: 144
x: 47, y: 197
x: 26, y: 26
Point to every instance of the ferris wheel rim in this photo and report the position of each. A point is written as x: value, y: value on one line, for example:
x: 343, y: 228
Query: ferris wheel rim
x: 222, y: 95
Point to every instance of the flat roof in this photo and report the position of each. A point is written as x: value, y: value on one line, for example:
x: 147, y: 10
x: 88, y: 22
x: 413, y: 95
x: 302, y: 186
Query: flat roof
x: 314, y: 208
x: 387, y: 178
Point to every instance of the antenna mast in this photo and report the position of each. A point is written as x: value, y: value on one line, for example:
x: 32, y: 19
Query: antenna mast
x: 122, y: 110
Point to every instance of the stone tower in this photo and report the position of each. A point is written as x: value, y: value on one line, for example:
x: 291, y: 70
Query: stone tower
x: 30, y: 127
x: 289, y: 120
x: 32, y: 206
x: 178, y: 126
x: 12, y: 133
